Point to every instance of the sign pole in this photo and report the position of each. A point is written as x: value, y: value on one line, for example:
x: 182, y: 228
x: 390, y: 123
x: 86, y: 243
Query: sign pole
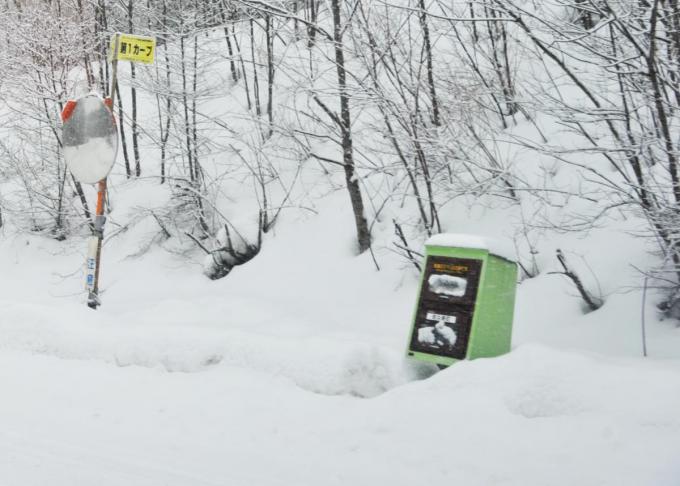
x: 93, y: 300
x: 126, y: 47
x: 114, y: 69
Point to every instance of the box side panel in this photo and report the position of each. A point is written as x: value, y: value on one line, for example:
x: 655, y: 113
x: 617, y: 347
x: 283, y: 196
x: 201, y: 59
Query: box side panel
x: 492, y: 324
x: 414, y: 317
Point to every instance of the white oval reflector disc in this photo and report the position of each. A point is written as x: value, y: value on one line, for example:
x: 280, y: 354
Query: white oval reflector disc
x: 90, y: 140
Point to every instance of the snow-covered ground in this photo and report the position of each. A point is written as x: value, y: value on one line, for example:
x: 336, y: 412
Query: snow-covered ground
x: 291, y: 371
x: 535, y: 417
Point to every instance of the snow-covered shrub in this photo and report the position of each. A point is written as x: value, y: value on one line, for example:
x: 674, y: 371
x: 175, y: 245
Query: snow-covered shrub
x: 233, y: 249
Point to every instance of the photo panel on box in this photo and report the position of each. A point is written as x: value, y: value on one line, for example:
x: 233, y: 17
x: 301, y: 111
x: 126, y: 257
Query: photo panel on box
x: 442, y: 331
x: 452, y: 280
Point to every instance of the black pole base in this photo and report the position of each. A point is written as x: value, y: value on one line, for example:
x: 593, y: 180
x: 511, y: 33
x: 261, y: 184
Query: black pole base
x: 93, y: 301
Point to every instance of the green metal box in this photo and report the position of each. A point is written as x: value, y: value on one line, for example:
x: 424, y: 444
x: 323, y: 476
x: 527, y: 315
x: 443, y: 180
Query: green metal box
x: 466, y: 300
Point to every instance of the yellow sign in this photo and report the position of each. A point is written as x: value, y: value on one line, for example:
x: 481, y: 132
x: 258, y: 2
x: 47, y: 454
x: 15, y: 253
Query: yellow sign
x: 135, y: 48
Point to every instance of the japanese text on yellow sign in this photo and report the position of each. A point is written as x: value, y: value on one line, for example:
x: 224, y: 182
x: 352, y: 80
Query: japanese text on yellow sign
x: 133, y: 48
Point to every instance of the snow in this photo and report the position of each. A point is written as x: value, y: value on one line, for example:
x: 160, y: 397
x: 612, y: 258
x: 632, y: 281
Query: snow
x: 178, y: 380
x: 87, y: 162
x: 425, y: 335
x: 447, y: 285
x: 446, y: 333
x: 90, y: 140
x: 291, y: 370
x: 430, y: 334
x: 534, y: 417
x: 495, y: 246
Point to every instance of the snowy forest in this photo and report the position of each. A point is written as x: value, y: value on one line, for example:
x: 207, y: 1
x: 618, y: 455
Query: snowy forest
x: 280, y: 167
x: 406, y: 107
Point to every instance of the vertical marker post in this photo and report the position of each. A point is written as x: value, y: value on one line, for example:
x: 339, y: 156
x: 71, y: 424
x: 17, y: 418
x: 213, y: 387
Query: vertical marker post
x: 93, y: 300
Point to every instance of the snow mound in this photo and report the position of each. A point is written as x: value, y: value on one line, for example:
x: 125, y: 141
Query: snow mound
x: 316, y: 364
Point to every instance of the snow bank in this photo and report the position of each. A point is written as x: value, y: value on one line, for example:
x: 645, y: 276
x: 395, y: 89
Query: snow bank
x: 318, y: 364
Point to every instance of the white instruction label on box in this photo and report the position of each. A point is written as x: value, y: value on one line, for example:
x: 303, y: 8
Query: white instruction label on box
x: 432, y: 316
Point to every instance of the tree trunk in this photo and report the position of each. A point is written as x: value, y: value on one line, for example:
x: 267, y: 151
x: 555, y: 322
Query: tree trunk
x: 133, y: 94
x: 270, y: 75
x: 121, y: 128
x: 430, y: 69
x: 363, y: 233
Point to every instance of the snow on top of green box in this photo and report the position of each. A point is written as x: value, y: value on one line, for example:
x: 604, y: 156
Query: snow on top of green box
x: 495, y: 246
